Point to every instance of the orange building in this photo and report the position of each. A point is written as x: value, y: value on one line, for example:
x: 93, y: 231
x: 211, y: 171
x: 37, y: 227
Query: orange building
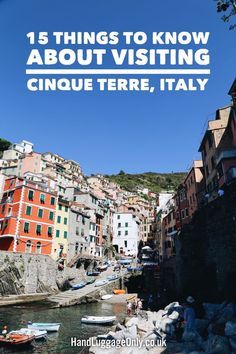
x: 27, y: 214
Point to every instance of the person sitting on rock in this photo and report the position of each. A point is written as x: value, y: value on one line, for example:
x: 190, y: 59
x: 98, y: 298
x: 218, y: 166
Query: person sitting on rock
x: 189, y: 314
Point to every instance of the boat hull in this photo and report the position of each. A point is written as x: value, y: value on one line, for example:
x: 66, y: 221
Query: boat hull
x: 98, y: 320
x: 49, y: 327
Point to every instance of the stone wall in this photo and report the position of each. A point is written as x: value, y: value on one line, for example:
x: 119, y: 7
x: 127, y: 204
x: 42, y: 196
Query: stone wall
x: 22, y: 273
x: 205, y: 262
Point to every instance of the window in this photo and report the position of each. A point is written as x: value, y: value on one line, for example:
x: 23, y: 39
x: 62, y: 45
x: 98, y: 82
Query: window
x: 76, y: 247
x: 51, y: 215
x: 126, y: 224
x: 125, y: 243
x: 42, y: 198
x: 119, y: 233
x: 31, y: 195
x: 52, y: 201
x: 28, y: 246
x: 119, y: 224
x: 77, y: 231
x: 28, y: 210
x: 118, y: 216
x: 186, y: 212
x: 5, y: 224
x: 49, y: 231
x: 58, y: 233
x: 65, y: 221
x: 40, y: 213
x: 26, y: 227
x: 59, y: 219
x: 3, y: 209
x: 65, y: 234
x: 38, y: 229
x: 66, y: 209
x: 182, y: 214
x: 38, y: 247
x: 126, y: 232
x: 60, y: 207
x: 83, y: 220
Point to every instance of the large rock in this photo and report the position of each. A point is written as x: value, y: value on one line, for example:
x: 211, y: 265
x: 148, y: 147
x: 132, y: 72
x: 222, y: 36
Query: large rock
x: 201, y: 326
x: 232, y: 341
x: 230, y: 328
x: 227, y: 313
x: 217, y: 345
x: 145, y: 326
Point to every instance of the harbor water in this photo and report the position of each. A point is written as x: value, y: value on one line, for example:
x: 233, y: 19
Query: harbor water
x: 16, y: 317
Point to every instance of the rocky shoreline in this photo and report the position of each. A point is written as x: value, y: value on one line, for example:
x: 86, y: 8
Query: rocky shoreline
x: 154, y: 333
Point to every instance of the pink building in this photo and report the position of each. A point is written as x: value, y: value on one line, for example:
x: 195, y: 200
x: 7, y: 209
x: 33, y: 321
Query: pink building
x: 194, y: 184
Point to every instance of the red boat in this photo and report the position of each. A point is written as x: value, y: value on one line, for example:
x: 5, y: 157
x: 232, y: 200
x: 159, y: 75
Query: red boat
x: 16, y: 339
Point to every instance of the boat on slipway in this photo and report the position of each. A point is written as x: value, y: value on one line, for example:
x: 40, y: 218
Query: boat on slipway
x: 113, y: 277
x: 79, y: 285
x: 98, y: 319
x: 44, y: 326
x: 101, y: 282
x: 107, y: 296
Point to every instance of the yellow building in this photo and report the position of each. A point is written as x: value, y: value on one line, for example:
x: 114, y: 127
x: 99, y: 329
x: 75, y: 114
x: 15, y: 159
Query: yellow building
x: 60, y: 240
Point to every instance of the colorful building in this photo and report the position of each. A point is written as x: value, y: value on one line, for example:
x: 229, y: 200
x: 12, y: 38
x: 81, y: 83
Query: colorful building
x: 60, y: 241
x: 27, y: 215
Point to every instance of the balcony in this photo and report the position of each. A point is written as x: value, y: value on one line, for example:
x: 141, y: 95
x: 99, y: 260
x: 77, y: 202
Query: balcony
x: 227, y: 154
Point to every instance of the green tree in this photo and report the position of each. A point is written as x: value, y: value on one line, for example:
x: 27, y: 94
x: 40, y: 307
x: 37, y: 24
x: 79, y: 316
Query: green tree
x: 228, y: 7
x: 4, y: 145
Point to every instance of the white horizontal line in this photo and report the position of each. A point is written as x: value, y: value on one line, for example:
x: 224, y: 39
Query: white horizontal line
x: 118, y: 71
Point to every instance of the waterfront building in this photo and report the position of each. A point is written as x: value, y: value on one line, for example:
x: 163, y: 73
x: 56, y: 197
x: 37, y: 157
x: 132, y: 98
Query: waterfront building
x: 194, y: 185
x: 27, y: 215
x: 61, y: 232
x: 126, y: 233
x: 208, y: 148
x: 78, y: 231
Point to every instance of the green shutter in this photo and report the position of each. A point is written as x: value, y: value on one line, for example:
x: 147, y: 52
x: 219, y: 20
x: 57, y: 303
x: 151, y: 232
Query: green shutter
x: 51, y: 214
x: 38, y: 229
x: 58, y: 233
x: 31, y: 195
x: 59, y: 219
x: 66, y: 209
x: 49, y: 231
x: 26, y: 227
x: 52, y: 201
x: 60, y: 207
x: 65, y: 221
x: 40, y: 213
x: 65, y: 234
x: 28, y: 210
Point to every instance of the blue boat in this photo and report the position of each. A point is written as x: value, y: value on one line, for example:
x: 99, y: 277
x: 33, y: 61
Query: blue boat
x: 125, y: 261
x: 135, y: 269
x: 79, y: 285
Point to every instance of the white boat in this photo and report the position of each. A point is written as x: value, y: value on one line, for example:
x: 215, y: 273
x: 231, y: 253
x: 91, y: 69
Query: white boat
x: 98, y: 320
x: 38, y: 334
x: 44, y: 326
x: 113, y: 277
x: 107, y: 297
x: 100, y: 282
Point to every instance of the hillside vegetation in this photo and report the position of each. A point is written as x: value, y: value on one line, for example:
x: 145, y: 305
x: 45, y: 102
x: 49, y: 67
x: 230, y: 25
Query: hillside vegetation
x: 4, y: 145
x: 155, y: 182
